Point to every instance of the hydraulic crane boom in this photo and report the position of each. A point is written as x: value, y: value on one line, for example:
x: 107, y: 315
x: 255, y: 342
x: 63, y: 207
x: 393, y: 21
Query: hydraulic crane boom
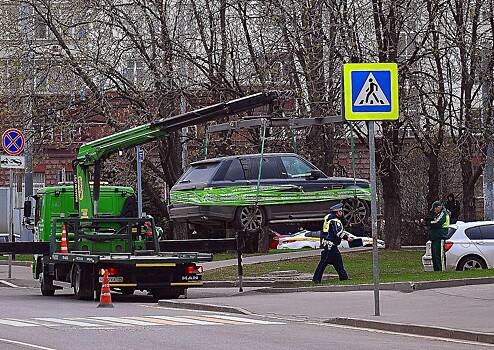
x: 93, y: 153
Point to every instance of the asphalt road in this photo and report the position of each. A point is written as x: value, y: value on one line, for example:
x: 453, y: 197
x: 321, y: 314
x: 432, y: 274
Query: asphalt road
x: 30, y: 321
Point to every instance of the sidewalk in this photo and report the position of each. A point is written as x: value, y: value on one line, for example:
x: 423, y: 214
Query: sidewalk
x: 467, y: 308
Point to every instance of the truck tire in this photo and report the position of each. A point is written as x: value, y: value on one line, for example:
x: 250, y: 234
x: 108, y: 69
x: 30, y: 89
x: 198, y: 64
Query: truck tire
x: 46, y: 282
x: 167, y: 293
x: 82, y: 283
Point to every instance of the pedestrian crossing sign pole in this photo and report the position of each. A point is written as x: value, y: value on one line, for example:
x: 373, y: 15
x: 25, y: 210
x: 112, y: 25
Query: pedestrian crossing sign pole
x: 370, y: 93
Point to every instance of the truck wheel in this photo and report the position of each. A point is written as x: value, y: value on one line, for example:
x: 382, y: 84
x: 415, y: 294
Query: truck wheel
x: 167, y: 293
x: 47, y: 288
x: 82, y: 283
x: 250, y: 219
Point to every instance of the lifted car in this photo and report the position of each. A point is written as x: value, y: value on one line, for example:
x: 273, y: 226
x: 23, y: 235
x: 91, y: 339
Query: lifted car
x: 219, y: 191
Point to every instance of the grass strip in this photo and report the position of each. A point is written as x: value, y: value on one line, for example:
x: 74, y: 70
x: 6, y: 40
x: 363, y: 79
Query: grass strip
x: 394, y: 266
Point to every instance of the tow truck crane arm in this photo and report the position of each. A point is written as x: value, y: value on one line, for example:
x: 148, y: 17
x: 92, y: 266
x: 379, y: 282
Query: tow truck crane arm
x: 95, y: 152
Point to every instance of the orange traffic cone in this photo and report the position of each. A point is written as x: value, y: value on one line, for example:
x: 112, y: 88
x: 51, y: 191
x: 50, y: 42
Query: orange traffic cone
x: 64, y: 248
x: 105, y: 297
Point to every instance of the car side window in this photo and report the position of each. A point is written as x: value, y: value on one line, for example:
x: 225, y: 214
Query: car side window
x: 270, y: 169
x: 235, y: 172
x: 451, y: 232
x: 295, y: 167
x: 487, y: 231
x: 473, y: 233
x: 202, y: 172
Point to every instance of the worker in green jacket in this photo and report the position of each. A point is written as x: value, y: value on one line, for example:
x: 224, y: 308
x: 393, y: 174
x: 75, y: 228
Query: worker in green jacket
x: 438, y: 230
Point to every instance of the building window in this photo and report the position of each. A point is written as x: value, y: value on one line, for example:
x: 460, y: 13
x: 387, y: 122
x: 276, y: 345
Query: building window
x: 65, y: 176
x: 38, y: 181
x: 40, y: 28
x: 133, y: 71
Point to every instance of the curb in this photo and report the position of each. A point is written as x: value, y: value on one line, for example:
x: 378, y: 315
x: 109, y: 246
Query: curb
x: 16, y: 263
x: 405, y: 287
x: 263, y: 284
x: 203, y: 307
x: 439, y: 332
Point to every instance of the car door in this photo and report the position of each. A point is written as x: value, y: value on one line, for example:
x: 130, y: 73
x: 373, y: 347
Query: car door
x: 296, y: 171
x: 475, y: 237
x: 271, y: 179
x: 243, y: 172
x: 486, y: 244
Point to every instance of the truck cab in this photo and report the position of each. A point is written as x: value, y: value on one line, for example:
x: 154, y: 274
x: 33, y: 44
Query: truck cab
x: 58, y: 202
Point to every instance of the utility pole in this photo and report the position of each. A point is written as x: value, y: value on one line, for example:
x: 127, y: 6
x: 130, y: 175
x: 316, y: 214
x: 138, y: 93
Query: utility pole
x: 488, y: 177
x: 28, y: 63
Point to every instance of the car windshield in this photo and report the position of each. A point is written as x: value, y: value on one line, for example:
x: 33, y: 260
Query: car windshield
x: 200, y: 172
x: 296, y: 167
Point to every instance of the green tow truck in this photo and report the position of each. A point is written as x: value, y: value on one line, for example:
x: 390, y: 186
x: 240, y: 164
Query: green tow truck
x: 101, y: 223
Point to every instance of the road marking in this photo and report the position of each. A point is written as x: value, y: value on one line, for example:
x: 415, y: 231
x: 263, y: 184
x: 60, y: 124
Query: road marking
x: 212, y: 319
x: 18, y: 323
x: 189, y: 320
x: 66, y: 321
x: 125, y: 320
x: 245, y: 320
x: 160, y: 321
x: 9, y: 284
x: 104, y: 322
x: 25, y: 344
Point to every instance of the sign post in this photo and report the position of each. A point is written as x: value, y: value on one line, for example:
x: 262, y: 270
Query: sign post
x: 12, y: 144
x: 370, y: 93
x: 140, y: 159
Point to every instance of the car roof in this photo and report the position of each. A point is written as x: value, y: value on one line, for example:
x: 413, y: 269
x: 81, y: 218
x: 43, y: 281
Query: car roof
x: 219, y: 159
x: 471, y: 224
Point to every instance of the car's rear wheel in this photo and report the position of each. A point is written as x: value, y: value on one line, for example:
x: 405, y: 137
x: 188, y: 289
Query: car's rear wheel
x: 356, y: 211
x: 471, y: 263
x: 250, y: 219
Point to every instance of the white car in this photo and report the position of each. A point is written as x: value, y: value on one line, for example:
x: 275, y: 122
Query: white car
x: 470, y: 245
x: 311, y: 239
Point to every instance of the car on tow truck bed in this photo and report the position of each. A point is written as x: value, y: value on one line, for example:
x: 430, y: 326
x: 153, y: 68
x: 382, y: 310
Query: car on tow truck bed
x: 292, y: 190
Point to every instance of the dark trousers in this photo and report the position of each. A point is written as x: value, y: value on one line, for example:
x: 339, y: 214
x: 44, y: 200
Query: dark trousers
x: 330, y: 257
x: 436, y: 254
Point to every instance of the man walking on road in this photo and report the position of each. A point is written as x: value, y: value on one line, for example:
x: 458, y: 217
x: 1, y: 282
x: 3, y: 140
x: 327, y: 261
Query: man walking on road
x: 438, y: 230
x: 331, y: 236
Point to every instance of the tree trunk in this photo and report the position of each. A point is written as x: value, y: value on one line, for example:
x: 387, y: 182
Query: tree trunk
x: 388, y: 159
x: 468, y: 191
x: 433, y: 178
x: 392, y: 208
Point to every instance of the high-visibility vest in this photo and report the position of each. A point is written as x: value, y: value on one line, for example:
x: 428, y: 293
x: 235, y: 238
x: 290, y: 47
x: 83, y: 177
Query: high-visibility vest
x: 338, y: 225
x: 447, y: 221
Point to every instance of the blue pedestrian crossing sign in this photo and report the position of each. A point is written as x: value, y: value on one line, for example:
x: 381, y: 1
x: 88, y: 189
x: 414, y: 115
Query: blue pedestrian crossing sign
x: 13, y: 141
x: 370, y: 91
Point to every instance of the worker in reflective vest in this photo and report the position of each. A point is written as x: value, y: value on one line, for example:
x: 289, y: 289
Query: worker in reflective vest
x: 331, y: 236
x: 438, y: 230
